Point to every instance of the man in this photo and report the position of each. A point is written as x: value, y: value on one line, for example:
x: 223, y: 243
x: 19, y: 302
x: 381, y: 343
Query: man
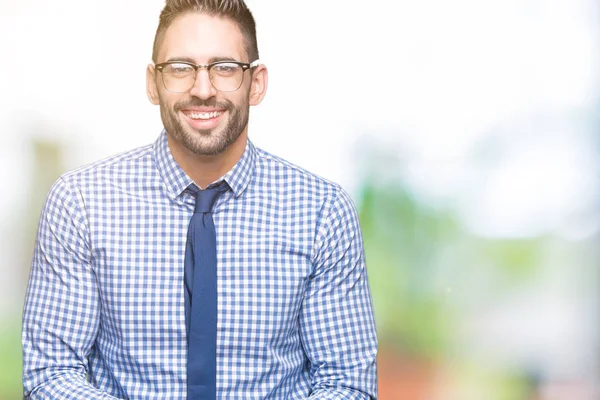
x: 139, y: 290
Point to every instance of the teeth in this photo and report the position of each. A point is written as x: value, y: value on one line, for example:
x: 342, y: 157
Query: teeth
x: 204, y: 115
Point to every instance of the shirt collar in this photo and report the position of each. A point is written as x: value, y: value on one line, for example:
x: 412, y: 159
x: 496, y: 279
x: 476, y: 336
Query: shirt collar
x: 241, y: 174
x: 176, y: 180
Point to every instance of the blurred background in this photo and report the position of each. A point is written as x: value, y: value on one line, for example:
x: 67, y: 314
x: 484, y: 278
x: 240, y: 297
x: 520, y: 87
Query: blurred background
x: 467, y: 133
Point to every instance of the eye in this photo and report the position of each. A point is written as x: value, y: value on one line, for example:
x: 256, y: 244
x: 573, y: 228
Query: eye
x: 178, y: 69
x: 225, y: 69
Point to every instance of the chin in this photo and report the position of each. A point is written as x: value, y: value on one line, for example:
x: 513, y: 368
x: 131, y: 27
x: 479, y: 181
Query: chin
x: 209, y: 144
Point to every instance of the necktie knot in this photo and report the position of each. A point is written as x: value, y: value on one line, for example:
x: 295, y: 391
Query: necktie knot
x: 205, y: 199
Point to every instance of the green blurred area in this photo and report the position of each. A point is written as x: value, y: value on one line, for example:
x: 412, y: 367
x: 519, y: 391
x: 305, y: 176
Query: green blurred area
x: 429, y: 275
x: 47, y: 162
x: 10, y: 354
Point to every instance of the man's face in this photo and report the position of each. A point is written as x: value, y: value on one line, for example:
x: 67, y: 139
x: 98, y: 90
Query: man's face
x: 203, y: 120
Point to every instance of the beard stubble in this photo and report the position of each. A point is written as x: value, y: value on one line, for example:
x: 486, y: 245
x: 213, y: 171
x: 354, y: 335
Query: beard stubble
x: 205, y: 142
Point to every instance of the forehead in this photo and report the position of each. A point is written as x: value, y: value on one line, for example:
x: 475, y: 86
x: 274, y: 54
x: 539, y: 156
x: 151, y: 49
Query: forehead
x: 201, y: 37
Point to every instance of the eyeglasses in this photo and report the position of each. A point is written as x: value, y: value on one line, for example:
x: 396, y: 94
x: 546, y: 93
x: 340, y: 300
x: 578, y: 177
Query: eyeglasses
x: 225, y: 76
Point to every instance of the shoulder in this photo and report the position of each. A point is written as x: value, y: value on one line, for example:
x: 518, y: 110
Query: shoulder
x: 331, y: 200
x: 117, y: 166
x: 98, y: 178
x: 280, y: 171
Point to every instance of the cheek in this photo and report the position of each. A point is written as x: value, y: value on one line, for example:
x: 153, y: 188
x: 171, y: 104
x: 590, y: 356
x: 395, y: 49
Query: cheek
x: 167, y: 100
x: 242, y: 97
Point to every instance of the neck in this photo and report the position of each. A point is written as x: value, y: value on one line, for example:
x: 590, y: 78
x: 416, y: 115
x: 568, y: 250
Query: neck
x: 204, y: 170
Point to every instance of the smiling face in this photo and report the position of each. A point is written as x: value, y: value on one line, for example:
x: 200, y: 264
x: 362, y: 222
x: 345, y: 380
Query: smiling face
x: 204, y: 121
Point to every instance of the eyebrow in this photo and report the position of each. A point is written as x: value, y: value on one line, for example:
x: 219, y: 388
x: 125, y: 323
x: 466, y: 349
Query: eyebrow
x: 210, y: 61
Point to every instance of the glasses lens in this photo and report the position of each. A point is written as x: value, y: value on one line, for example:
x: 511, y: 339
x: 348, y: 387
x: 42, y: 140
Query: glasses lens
x: 226, y: 77
x: 178, y: 78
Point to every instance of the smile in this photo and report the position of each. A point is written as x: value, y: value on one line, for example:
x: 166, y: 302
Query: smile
x: 206, y: 119
x: 203, y: 115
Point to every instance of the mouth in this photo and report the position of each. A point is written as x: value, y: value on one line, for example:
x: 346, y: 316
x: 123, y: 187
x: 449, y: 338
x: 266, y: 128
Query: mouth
x: 203, y: 119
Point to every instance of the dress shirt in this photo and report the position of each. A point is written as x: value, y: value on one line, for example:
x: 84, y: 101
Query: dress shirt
x: 104, y: 312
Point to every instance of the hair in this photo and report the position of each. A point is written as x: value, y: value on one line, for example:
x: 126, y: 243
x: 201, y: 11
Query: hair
x: 235, y: 10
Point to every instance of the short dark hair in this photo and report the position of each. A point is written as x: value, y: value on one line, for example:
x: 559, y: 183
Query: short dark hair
x: 235, y: 10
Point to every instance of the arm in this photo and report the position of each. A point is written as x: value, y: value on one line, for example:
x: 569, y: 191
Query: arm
x: 60, y: 318
x: 336, y: 321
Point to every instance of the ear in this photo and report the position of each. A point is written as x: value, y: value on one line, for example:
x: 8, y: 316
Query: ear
x: 151, y: 89
x: 258, y: 86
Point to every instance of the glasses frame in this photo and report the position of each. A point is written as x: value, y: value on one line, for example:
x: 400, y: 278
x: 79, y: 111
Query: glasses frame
x: 245, y: 66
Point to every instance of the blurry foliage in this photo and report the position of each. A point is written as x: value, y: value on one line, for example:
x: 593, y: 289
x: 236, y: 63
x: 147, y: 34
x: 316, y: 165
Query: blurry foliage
x: 518, y: 259
x: 417, y: 254
x: 47, y: 157
x: 401, y: 238
x: 10, y: 356
x: 470, y: 381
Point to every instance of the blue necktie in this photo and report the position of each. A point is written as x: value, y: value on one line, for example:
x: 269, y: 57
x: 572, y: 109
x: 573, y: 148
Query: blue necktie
x: 200, y: 288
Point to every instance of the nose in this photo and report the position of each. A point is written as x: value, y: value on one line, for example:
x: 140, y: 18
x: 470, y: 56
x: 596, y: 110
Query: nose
x: 203, y: 88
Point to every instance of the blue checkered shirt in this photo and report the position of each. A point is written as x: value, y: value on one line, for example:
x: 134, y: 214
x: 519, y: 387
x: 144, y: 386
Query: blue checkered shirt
x: 104, y: 313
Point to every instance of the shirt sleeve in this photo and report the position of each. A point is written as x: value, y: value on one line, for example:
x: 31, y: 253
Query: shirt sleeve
x: 60, y: 317
x: 336, y: 321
